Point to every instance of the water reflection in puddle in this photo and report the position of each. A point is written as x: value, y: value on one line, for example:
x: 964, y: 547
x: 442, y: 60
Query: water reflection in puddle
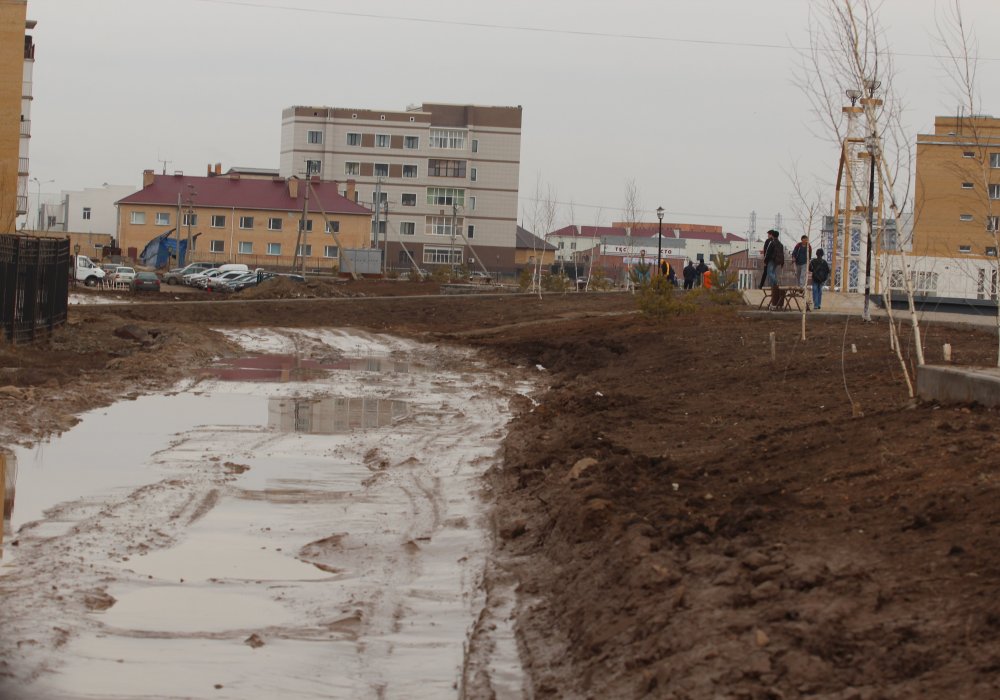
x: 287, y: 368
x: 8, y: 478
x: 189, y: 609
x: 331, y: 415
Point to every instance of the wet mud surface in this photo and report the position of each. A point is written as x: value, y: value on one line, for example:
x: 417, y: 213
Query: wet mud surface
x: 679, y: 516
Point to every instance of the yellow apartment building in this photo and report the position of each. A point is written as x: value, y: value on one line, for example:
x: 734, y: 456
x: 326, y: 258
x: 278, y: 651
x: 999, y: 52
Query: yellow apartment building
x: 230, y: 218
x: 15, y: 47
x: 957, y: 193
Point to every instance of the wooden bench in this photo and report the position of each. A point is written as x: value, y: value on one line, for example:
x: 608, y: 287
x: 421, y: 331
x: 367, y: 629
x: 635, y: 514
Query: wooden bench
x: 790, y: 296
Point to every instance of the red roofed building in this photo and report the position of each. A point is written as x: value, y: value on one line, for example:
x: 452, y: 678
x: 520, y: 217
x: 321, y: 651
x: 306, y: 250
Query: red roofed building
x: 251, y: 220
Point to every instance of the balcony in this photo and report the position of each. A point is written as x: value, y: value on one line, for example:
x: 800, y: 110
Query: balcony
x: 22, y: 204
x: 25, y: 127
x: 22, y: 166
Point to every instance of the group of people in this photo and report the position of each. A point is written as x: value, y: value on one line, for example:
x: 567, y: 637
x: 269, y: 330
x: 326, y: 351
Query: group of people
x: 805, y: 265
x: 691, y: 273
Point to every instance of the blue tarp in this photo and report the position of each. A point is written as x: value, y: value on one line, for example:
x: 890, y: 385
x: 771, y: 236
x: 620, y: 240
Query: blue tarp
x: 162, y: 250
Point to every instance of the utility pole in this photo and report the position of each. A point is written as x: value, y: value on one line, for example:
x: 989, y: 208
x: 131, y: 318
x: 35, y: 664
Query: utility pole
x: 385, y: 237
x: 451, y: 251
x: 190, y: 201
x: 177, y: 228
x: 300, y: 239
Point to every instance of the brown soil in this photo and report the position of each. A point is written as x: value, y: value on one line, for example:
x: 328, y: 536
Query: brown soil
x: 686, y: 518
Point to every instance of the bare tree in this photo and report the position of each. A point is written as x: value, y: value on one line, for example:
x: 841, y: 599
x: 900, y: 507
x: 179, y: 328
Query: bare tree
x: 849, y: 57
x: 541, y: 215
x: 807, y: 206
x: 631, y: 216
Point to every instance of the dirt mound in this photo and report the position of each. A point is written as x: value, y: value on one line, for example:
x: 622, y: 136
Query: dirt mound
x: 278, y: 288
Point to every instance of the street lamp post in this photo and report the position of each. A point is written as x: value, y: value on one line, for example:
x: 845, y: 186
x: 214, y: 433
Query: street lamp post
x: 659, y: 239
x: 872, y: 143
x: 38, y: 226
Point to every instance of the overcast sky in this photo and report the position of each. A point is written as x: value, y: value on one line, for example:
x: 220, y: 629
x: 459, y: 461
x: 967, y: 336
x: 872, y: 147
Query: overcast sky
x: 694, y: 99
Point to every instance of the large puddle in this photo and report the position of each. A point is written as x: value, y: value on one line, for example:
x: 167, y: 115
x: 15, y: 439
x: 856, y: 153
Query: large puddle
x: 303, y: 523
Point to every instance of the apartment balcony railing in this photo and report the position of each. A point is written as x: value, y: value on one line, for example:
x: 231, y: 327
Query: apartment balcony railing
x: 22, y: 204
x: 22, y: 166
x: 25, y: 127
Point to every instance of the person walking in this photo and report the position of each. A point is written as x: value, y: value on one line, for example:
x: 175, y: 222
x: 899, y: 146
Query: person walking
x: 820, y: 271
x: 801, y: 254
x: 701, y: 270
x: 763, y: 274
x: 689, y: 274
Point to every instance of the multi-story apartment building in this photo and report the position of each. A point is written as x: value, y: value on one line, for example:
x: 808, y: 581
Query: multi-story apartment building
x: 957, y: 194
x: 956, y: 212
x: 17, y: 57
x: 91, y: 210
x: 447, y: 174
x: 252, y: 220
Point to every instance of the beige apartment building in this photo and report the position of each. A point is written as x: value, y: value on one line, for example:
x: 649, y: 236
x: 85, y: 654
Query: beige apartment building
x: 251, y: 220
x: 17, y: 57
x: 957, y: 193
x: 446, y: 175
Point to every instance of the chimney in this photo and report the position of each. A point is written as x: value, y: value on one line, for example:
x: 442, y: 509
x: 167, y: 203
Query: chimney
x: 148, y: 178
x: 349, y: 193
x: 209, y: 173
x: 293, y: 188
x: 218, y: 168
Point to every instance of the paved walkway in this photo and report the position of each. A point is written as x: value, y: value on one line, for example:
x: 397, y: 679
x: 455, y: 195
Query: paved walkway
x: 839, y: 303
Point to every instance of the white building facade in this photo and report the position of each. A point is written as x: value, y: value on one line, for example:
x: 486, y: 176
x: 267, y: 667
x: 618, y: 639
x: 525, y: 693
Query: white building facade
x: 445, y: 176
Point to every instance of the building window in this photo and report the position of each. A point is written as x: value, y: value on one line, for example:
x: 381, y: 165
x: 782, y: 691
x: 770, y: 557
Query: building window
x: 562, y: 244
x: 991, y: 251
x: 473, y: 175
x: 333, y: 227
x: 407, y: 228
x: 274, y: 249
x: 993, y: 223
x: 274, y: 223
x: 965, y: 217
x: 965, y: 249
x: 408, y: 199
x: 442, y: 256
x: 994, y: 191
x: 216, y: 246
x: 969, y: 154
x: 162, y: 218
x: 309, y: 225
x: 381, y: 170
x: 409, y: 171
x: 330, y: 251
x: 445, y: 168
x: 966, y: 185
x: 246, y: 247
x: 218, y: 221
x: 440, y: 225
x: 411, y: 142
x: 472, y: 202
x: 353, y: 139
x: 352, y: 168
x: 381, y: 140
x: 86, y: 213
x: 572, y: 245
x: 189, y: 219
x: 314, y: 137
x: 471, y: 231
x: 475, y: 145
x: 305, y: 250
x: 381, y: 227
x: 246, y: 222
x: 995, y: 160
x: 313, y: 167
x: 446, y: 196
x: 383, y: 197
x: 448, y: 138
x: 138, y: 217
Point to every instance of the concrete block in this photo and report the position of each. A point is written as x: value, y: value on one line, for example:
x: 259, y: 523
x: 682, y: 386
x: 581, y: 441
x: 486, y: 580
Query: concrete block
x: 959, y: 384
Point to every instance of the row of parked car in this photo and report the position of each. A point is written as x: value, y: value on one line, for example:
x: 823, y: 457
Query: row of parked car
x: 213, y: 277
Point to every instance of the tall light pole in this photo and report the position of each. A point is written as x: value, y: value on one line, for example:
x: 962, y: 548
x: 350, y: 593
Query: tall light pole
x: 38, y: 226
x: 659, y: 239
x: 873, y: 152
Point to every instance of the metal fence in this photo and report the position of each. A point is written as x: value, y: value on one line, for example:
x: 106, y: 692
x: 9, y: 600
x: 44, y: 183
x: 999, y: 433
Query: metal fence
x: 34, y: 286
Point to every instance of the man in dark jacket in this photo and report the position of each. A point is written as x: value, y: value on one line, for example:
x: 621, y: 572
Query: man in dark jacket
x: 774, y: 260
x: 689, y: 274
x: 701, y: 270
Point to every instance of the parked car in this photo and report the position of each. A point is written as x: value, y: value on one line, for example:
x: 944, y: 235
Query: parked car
x: 239, y: 283
x: 218, y: 283
x: 109, y: 268
x: 145, y: 282
x: 123, y: 275
x: 178, y: 274
x: 197, y: 278
x: 480, y: 278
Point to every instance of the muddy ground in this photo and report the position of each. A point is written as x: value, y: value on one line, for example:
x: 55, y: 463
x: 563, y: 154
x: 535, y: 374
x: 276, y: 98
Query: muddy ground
x: 685, y: 518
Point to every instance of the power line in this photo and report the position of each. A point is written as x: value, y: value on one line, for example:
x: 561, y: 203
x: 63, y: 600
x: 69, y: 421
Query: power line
x: 543, y: 30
